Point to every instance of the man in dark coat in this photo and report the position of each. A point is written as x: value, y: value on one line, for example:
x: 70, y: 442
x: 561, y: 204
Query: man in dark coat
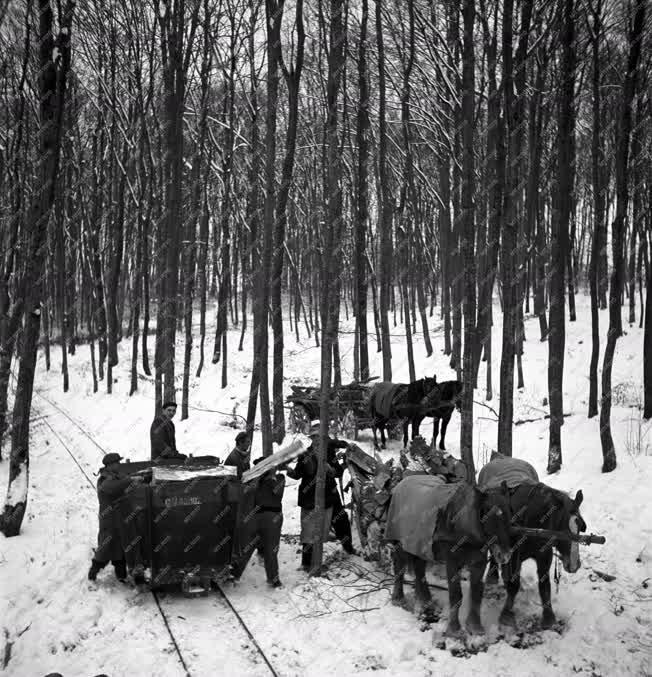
x: 306, y: 471
x: 110, y: 487
x: 269, y: 520
x: 240, y: 457
x: 161, y: 434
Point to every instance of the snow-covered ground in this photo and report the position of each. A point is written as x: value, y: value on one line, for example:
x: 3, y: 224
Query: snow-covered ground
x: 53, y: 619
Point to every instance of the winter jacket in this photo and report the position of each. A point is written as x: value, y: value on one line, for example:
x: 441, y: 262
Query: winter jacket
x: 240, y: 459
x: 162, y: 437
x: 110, y: 488
x: 306, y: 471
x: 269, y: 493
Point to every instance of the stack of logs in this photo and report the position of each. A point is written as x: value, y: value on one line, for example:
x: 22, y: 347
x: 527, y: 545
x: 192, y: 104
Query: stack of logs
x: 373, y: 482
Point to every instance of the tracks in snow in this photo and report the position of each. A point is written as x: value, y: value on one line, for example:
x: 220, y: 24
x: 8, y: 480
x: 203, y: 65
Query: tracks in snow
x: 208, y: 634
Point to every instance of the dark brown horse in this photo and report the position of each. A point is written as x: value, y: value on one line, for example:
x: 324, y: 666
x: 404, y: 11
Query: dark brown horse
x: 450, y: 398
x: 466, y: 523
x: 541, y: 507
x: 406, y: 401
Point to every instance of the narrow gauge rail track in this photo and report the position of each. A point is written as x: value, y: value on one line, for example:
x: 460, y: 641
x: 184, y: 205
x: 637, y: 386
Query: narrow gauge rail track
x: 214, y: 613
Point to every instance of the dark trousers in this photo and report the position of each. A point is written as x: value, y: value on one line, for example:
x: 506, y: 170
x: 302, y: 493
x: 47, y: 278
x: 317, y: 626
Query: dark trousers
x: 268, y: 534
x: 341, y: 523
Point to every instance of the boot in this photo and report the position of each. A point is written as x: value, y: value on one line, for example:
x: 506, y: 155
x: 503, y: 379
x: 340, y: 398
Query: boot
x: 306, y: 557
x: 139, y: 574
x: 95, y: 569
x: 120, y: 569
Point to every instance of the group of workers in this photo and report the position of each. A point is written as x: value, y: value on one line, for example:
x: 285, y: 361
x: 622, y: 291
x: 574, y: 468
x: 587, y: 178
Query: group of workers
x: 269, y: 488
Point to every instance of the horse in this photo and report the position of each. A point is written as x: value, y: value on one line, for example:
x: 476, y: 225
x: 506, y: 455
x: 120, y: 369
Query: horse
x: 455, y: 523
x: 400, y: 400
x: 449, y: 400
x: 536, y: 505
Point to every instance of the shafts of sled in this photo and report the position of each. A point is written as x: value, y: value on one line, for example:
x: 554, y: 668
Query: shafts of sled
x: 584, y: 539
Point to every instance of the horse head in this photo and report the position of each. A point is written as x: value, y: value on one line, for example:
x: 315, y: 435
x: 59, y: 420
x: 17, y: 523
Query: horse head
x: 430, y: 390
x: 496, y: 518
x: 566, y: 517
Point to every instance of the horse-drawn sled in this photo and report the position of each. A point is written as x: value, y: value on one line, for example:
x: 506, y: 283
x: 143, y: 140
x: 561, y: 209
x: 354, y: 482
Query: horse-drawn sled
x: 349, y: 410
x: 424, y: 511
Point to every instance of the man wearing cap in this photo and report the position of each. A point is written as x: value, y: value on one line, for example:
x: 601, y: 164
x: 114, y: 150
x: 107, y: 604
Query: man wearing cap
x: 162, y: 436
x: 305, y: 470
x: 240, y: 457
x: 110, y: 487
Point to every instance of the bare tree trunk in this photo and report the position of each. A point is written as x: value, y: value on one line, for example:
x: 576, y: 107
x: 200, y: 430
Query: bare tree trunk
x: 618, y: 232
x: 293, y: 81
x: 597, y: 173
x: 362, y: 203
x: 274, y: 13
x: 52, y: 94
x: 508, y: 249
x: 384, y: 225
x: 468, y: 235
x: 331, y: 256
x: 562, y: 203
x: 253, y: 210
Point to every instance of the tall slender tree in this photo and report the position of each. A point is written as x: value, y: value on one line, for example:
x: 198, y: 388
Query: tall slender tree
x: 562, y: 204
x: 624, y: 129
x: 54, y: 65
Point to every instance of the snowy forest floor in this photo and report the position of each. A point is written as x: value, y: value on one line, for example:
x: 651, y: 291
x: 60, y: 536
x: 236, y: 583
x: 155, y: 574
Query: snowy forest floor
x: 54, y: 619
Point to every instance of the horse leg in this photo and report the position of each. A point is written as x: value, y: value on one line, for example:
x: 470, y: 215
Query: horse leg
x: 544, y: 562
x: 435, y: 431
x: 476, y: 569
x: 492, y: 571
x: 399, y: 560
x: 406, y: 425
x: 512, y: 579
x: 374, y: 427
x: 444, y: 425
x: 422, y: 597
x: 453, y: 567
x: 383, y: 438
x: 416, y: 422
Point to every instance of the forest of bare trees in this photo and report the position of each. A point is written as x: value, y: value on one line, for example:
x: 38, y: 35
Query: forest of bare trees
x: 275, y: 165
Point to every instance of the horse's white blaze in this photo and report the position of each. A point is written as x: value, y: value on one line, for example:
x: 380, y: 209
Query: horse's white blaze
x: 575, y: 546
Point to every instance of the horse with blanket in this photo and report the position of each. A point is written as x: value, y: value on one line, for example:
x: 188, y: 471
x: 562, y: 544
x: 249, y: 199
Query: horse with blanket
x: 429, y: 520
x: 401, y: 400
x: 537, y: 506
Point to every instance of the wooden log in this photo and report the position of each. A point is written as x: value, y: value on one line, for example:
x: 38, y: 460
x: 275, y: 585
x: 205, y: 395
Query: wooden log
x: 285, y: 455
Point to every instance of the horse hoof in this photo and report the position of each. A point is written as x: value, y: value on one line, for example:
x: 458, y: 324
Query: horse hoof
x: 548, y: 620
x: 442, y: 447
x: 454, y: 630
x: 474, y: 626
x: 508, y: 619
x: 398, y: 600
x: 428, y: 614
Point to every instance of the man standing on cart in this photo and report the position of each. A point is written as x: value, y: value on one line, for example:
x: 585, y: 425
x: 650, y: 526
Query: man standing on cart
x: 162, y: 434
x: 240, y: 457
